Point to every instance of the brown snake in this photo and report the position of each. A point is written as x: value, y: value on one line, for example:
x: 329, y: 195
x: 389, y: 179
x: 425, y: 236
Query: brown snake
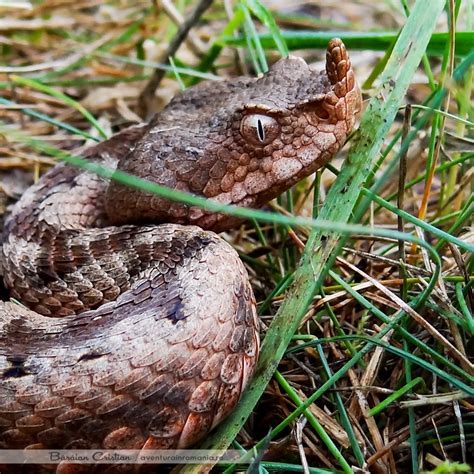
x: 141, y: 330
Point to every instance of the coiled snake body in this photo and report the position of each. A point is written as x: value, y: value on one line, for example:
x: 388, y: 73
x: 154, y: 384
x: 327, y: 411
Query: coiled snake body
x: 141, y: 333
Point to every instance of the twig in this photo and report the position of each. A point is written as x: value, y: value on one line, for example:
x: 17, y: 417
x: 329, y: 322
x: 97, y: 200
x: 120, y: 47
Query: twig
x: 299, y: 442
x: 148, y: 92
x: 194, y: 43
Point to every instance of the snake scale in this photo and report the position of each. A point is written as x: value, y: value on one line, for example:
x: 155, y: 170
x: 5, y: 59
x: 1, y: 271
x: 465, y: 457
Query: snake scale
x: 138, y: 325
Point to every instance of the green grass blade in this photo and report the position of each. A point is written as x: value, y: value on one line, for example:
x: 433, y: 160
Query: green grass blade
x: 343, y: 415
x: 253, y: 43
x: 325, y: 438
x: 262, y: 13
x: 464, y: 308
x: 48, y: 119
x: 394, y: 397
x: 214, y: 206
x: 22, y: 81
x: 376, y: 41
x: 284, y: 467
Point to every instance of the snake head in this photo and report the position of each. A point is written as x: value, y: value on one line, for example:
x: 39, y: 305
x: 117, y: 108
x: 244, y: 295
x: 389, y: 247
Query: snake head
x: 245, y: 141
x: 296, y: 120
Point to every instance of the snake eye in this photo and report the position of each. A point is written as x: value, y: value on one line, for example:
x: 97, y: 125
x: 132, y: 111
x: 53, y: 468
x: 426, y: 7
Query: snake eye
x: 259, y: 129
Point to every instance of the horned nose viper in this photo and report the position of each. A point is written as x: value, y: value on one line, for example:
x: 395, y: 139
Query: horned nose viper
x: 141, y: 328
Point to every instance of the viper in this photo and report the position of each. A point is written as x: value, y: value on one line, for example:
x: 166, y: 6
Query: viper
x: 137, y: 326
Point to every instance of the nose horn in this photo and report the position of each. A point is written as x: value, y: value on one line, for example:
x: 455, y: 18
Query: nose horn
x: 338, y: 63
x: 344, y: 100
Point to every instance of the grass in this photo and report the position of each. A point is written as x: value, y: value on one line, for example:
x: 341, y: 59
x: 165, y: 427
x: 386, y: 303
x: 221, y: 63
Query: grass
x: 373, y: 322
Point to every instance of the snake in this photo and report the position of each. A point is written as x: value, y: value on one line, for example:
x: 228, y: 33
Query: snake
x: 131, y: 323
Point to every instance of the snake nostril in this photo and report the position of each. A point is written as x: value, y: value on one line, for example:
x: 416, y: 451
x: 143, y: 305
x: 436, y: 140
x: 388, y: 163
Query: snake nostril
x: 320, y: 111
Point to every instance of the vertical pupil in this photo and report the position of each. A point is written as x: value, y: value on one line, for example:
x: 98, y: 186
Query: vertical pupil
x: 260, y: 131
